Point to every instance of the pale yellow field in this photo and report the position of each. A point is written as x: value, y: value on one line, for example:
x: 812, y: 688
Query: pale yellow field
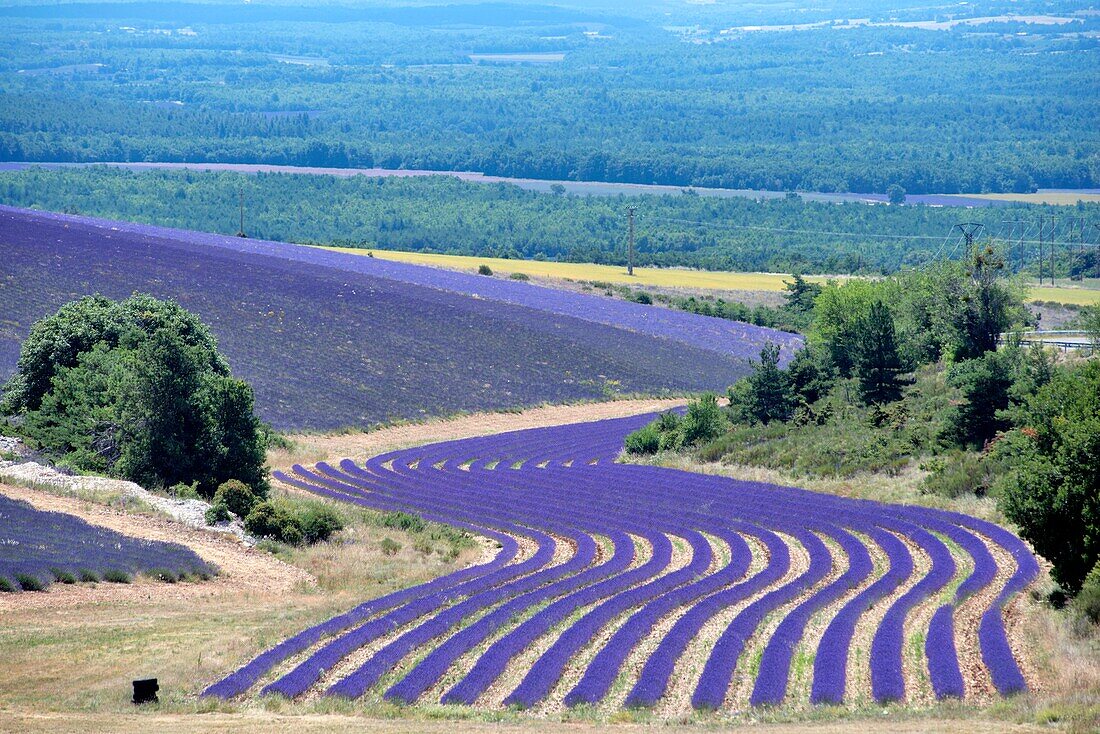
x: 666, y: 277
x: 663, y: 277
x: 1075, y: 296
x: 1048, y: 198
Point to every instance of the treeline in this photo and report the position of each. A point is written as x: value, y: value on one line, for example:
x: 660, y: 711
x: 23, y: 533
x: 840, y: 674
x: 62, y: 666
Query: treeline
x: 912, y: 369
x: 858, y: 110
x: 441, y: 214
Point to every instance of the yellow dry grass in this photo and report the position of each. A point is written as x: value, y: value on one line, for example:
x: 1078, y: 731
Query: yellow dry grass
x: 658, y: 277
x: 661, y: 277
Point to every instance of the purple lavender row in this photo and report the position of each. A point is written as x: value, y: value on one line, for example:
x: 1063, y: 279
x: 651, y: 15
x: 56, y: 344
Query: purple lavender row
x: 771, y: 682
x: 831, y: 661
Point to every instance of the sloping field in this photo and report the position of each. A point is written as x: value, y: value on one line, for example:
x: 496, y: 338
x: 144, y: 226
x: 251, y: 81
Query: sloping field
x: 615, y: 585
x: 331, y: 340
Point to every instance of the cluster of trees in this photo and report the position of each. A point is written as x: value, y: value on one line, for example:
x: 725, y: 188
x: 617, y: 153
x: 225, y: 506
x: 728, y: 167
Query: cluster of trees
x: 445, y: 215
x: 862, y: 110
x: 136, y: 389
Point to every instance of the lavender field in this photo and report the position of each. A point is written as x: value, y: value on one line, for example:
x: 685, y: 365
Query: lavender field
x: 330, y: 340
x: 637, y: 586
x: 38, y: 548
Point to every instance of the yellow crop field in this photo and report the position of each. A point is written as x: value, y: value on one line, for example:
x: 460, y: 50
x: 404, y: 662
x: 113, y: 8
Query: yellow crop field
x: 662, y: 277
x: 1074, y: 296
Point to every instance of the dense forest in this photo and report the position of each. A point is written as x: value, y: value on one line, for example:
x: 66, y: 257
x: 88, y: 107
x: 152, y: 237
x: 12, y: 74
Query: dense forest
x: 610, y: 93
x: 442, y: 214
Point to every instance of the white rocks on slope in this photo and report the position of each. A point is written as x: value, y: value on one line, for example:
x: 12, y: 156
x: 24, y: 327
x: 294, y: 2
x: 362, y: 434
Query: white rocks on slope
x: 189, y: 512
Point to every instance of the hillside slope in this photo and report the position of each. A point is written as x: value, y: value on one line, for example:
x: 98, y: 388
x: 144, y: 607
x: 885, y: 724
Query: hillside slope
x: 331, y: 340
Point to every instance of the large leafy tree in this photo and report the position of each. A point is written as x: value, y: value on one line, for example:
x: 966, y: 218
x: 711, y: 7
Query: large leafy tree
x: 1053, y: 492
x: 138, y: 389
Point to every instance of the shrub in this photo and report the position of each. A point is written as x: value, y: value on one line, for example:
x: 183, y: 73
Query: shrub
x: 271, y: 521
x: 643, y: 298
x: 218, y: 512
x: 961, y: 473
x: 88, y: 576
x: 116, y: 576
x: 236, y: 496
x: 6, y: 586
x: 318, y: 523
x: 29, y: 583
x: 645, y: 440
x: 519, y: 276
x: 403, y: 521
x: 1087, y: 602
x: 704, y: 420
x: 62, y: 576
x: 184, y: 491
x: 163, y: 574
x: 484, y: 270
x: 390, y: 547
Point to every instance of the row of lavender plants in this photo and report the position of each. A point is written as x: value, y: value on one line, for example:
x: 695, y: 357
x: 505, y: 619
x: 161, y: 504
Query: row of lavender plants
x: 563, y: 484
x: 38, y: 548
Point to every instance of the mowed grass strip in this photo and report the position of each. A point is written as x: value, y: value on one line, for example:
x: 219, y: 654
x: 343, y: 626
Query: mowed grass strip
x: 661, y: 277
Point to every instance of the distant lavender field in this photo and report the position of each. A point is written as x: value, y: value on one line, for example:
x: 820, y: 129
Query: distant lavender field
x: 329, y: 339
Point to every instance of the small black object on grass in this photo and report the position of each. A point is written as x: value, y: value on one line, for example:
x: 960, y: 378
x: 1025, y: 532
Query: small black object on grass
x: 145, y: 691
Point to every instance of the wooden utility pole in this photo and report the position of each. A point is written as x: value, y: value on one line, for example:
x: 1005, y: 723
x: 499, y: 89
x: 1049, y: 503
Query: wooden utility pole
x: 1041, y: 220
x: 1052, y: 249
x: 630, y: 251
x: 240, y: 232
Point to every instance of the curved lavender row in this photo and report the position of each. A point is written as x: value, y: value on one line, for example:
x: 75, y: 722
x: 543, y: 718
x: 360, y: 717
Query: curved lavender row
x: 492, y: 663
x: 429, y: 670
x: 714, y: 334
x: 547, y: 670
x: 605, y: 667
x: 775, y: 663
x: 245, y: 677
x: 310, y: 670
x: 887, y: 676
x: 653, y: 681
x: 710, y: 692
x: 831, y: 661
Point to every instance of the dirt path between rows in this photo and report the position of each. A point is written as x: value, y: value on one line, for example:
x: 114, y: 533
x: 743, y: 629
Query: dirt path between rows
x: 241, y: 568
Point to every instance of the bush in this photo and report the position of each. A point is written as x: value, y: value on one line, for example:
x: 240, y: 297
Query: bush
x: 404, y: 521
x: 62, y: 576
x: 390, y: 547
x: 236, y: 496
x: 704, y: 420
x: 519, y: 276
x: 273, y: 522
x: 89, y: 576
x: 184, y: 491
x: 116, y: 576
x: 29, y: 583
x: 216, y: 513
x: 645, y: 440
x: 318, y: 523
x: 1087, y: 602
x: 7, y: 586
x: 961, y: 473
x: 643, y: 298
x: 484, y: 270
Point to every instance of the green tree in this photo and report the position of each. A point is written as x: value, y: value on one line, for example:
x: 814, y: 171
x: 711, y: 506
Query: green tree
x: 985, y: 387
x: 704, y: 420
x: 877, y: 361
x: 1053, y: 490
x: 764, y: 396
x: 895, y: 193
x: 838, y: 311
x: 137, y: 389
